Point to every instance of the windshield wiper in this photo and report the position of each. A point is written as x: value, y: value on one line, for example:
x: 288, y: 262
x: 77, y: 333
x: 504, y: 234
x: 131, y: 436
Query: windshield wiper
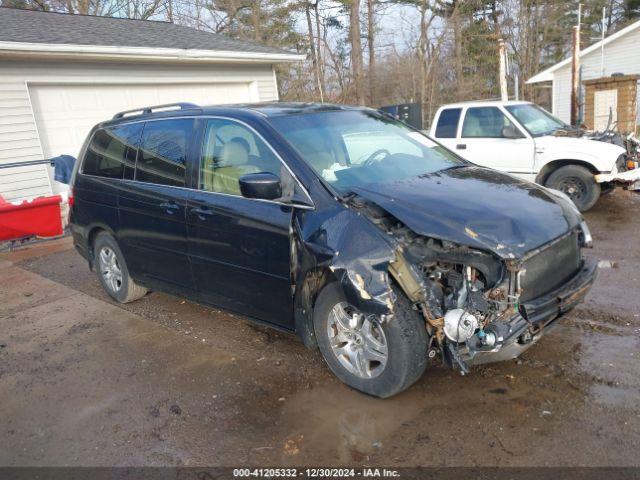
x: 348, y: 195
x: 453, y: 167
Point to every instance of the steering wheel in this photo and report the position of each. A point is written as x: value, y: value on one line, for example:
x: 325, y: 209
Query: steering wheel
x: 374, y: 156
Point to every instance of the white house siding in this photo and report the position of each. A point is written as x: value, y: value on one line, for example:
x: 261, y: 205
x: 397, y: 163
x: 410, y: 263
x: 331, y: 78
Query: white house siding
x: 19, y: 138
x: 19, y: 143
x: 621, y: 55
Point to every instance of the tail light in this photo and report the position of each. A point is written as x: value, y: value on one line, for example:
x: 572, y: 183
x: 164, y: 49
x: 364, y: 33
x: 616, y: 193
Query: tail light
x: 70, y: 202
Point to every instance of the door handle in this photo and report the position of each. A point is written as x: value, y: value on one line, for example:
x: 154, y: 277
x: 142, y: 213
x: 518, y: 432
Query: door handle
x: 202, y: 212
x: 461, y: 146
x: 170, y: 207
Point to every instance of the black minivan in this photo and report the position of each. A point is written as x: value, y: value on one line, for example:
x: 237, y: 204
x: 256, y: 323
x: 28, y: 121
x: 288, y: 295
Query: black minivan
x: 365, y: 237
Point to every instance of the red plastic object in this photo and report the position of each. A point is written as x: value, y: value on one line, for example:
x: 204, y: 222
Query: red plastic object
x: 40, y: 217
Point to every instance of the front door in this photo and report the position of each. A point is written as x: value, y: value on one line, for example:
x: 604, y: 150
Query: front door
x: 482, y: 141
x: 152, y: 206
x: 239, y: 247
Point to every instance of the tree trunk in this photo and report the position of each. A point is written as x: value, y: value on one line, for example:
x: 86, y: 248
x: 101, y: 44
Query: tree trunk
x: 458, y: 55
x: 372, y: 51
x: 422, y: 59
x: 312, y: 49
x: 256, y: 15
x: 321, y: 67
x: 170, y: 11
x: 356, y: 50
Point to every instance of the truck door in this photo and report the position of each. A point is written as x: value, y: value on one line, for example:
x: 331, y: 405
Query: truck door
x: 490, y: 139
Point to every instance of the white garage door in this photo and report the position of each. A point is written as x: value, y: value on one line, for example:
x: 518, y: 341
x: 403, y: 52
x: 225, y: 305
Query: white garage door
x: 66, y: 113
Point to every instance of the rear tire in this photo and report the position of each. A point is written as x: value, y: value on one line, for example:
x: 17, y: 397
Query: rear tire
x: 403, y: 359
x: 112, y: 270
x: 578, y: 183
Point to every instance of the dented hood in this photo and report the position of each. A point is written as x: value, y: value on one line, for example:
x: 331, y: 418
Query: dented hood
x: 478, y: 207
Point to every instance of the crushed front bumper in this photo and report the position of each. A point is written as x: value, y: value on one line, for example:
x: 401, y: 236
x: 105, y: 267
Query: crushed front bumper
x: 630, y: 179
x: 535, y: 317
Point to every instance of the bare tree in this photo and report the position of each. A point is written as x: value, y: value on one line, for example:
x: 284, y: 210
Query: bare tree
x: 356, y: 50
x: 312, y: 48
x: 372, y: 51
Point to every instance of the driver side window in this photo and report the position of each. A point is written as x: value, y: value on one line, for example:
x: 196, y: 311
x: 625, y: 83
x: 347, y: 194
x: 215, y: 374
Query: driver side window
x: 485, y: 122
x: 231, y: 150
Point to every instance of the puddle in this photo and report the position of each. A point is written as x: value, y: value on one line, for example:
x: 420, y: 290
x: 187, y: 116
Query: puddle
x: 347, y: 426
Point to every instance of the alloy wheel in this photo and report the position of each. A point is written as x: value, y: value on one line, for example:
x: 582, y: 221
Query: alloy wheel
x: 357, y: 341
x: 110, y: 269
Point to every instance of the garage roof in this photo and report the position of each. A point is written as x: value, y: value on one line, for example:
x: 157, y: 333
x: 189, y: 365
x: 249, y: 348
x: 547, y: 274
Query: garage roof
x: 64, y: 33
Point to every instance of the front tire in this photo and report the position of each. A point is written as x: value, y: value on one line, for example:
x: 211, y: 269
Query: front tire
x: 380, y: 359
x: 577, y: 183
x: 113, y: 272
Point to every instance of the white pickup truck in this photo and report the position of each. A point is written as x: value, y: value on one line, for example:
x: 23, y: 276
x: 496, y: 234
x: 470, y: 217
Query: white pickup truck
x: 525, y: 140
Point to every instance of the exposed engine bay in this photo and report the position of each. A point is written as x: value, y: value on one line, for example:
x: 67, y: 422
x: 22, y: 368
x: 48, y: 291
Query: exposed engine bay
x: 467, y: 296
x: 610, y: 134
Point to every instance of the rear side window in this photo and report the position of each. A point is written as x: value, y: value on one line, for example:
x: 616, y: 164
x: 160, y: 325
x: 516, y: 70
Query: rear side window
x: 112, y: 150
x: 448, y: 123
x: 163, y: 152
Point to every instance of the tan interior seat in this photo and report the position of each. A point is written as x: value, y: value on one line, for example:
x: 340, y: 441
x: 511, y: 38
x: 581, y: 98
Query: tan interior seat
x: 232, y: 165
x: 226, y: 179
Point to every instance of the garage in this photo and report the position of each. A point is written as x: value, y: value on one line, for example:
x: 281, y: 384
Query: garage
x: 64, y: 114
x: 68, y: 72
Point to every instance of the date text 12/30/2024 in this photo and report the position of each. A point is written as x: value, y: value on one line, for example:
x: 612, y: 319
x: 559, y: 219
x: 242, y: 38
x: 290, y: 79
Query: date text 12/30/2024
x: 315, y: 473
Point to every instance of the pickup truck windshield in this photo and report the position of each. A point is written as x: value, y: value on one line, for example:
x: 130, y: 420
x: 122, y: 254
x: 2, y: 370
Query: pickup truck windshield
x: 536, y: 120
x: 356, y: 148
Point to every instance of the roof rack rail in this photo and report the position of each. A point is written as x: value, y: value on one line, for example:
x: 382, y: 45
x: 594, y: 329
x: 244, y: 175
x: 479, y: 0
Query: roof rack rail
x: 150, y: 110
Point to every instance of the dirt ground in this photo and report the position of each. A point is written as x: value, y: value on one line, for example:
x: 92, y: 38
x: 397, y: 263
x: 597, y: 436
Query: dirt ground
x: 161, y: 381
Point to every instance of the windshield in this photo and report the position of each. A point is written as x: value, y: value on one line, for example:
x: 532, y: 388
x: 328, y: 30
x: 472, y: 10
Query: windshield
x: 355, y: 148
x: 536, y: 120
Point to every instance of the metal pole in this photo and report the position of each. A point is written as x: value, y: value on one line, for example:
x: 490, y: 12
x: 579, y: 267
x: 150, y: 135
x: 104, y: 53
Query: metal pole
x: 517, y: 86
x: 504, y: 94
x: 575, y: 69
x: 575, y: 76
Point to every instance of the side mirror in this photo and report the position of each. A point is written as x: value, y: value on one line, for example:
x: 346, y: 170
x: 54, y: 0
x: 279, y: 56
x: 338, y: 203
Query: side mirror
x: 509, y: 131
x: 265, y: 186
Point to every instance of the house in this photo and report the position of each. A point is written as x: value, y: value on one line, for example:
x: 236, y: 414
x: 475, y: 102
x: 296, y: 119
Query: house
x: 616, y: 56
x: 61, y: 74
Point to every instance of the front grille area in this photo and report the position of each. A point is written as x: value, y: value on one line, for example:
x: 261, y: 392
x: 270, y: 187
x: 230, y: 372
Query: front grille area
x: 551, y: 267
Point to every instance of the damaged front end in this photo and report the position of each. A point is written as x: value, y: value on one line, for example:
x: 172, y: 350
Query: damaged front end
x: 478, y: 306
x: 626, y: 171
x: 485, y: 312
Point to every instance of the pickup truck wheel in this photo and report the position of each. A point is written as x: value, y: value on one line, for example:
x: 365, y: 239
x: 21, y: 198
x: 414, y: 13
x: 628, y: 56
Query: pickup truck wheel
x: 377, y: 358
x: 578, y: 183
x: 112, y: 270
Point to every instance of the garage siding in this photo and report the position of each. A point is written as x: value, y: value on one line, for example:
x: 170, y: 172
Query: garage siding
x: 19, y: 142
x: 620, y: 56
x: 19, y: 139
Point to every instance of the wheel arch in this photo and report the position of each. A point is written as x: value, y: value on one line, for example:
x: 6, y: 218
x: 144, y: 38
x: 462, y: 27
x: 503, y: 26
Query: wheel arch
x: 306, y: 294
x: 554, y: 165
x: 93, y: 232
